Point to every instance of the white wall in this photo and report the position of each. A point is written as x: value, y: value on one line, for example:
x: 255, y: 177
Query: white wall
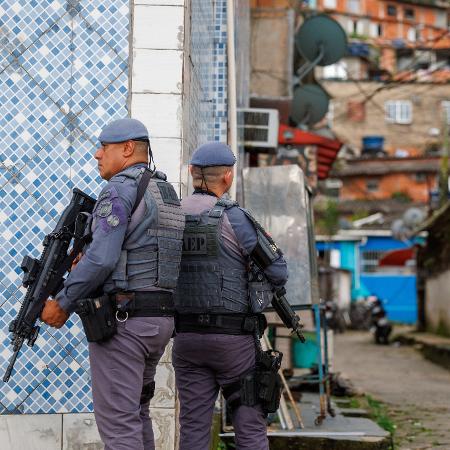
x: 437, y: 302
x: 158, y: 47
x: 157, y: 78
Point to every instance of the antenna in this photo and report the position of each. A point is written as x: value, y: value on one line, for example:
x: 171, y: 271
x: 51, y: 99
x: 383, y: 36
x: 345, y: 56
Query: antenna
x: 321, y: 41
x: 309, y: 104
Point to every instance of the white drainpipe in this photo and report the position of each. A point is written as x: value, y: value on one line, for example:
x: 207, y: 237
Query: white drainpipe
x: 232, y: 113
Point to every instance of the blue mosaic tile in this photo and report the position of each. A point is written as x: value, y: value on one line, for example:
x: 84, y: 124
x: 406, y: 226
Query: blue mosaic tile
x: 64, y: 74
x: 33, y: 365
x: 109, y: 19
x: 25, y: 21
x: 29, y: 118
x: 66, y: 389
x: 49, y: 62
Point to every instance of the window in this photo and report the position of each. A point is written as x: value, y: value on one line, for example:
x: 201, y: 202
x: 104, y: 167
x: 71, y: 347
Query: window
x: 441, y: 19
x: 330, y: 114
x: 353, y: 6
x: 409, y: 14
x: 360, y: 28
x: 372, y: 185
x: 421, y: 177
x: 356, y: 111
x: 445, y: 105
x: 398, y: 111
x: 375, y: 30
x: 411, y: 35
x: 337, y: 71
x: 391, y: 10
x: 370, y: 259
x: 329, y: 4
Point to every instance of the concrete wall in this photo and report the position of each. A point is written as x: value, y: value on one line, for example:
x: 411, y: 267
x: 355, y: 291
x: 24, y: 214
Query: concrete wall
x: 437, y: 302
x: 426, y: 109
x: 157, y: 78
x: 272, y: 40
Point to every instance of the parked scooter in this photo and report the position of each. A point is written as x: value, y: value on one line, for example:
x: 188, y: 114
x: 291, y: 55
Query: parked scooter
x: 334, y: 316
x: 381, y: 326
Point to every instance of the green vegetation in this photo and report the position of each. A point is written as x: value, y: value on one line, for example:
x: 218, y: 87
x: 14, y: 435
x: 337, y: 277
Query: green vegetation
x: 359, y: 214
x: 443, y: 328
x: 377, y: 410
x: 401, y: 197
x: 328, y: 222
x: 379, y: 413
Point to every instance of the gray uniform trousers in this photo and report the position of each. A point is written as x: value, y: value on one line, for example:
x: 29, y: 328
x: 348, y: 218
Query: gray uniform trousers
x: 119, y: 369
x: 203, y: 363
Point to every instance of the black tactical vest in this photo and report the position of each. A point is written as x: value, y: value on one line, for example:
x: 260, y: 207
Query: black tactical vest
x: 210, y: 281
x: 151, y: 252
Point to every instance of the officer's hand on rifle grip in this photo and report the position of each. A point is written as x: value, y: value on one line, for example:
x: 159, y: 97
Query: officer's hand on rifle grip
x: 76, y: 261
x: 53, y: 314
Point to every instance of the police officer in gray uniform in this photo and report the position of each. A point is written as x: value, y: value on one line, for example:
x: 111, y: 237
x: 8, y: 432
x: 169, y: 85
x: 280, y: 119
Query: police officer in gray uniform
x: 216, y: 321
x: 130, y: 269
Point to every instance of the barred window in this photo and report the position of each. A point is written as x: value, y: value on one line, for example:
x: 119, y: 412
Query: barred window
x: 370, y: 260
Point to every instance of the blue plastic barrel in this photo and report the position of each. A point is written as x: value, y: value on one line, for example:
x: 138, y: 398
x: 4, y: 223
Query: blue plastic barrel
x: 373, y: 143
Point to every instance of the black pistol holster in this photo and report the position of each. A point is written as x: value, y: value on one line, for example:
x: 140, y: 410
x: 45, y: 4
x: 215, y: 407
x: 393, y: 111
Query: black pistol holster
x: 98, y: 316
x: 261, y: 386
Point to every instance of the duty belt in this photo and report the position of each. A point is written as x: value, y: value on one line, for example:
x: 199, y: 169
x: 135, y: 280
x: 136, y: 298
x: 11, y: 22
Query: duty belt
x: 220, y: 323
x: 143, y: 304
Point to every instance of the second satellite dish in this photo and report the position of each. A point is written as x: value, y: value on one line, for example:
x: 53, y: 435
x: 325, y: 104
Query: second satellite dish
x: 309, y: 105
x: 321, y: 35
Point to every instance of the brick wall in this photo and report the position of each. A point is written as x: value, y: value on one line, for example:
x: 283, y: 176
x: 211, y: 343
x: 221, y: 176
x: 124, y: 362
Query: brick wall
x: 356, y: 188
x: 427, y: 113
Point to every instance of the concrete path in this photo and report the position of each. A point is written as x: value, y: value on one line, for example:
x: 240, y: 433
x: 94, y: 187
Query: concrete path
x: 416, y: 391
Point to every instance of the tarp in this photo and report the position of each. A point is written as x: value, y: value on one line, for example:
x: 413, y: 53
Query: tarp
x: 397, y: 257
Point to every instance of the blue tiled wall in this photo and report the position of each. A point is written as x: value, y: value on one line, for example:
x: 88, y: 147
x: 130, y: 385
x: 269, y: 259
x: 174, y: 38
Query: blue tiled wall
x: 208, y: 89
x: 63, y: 75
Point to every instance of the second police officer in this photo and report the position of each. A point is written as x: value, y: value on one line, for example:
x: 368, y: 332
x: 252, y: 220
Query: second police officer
x: 131, y: 264
x: 216, y: 320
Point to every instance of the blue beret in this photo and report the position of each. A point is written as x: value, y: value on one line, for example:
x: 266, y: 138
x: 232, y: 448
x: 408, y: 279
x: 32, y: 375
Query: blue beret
x: 123, y: 130
x: 213, y: 154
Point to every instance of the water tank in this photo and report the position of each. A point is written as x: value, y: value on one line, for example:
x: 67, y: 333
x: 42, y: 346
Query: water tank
x: 372, y: 145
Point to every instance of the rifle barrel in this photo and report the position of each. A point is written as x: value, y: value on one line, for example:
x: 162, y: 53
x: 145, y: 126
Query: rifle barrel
x: 12, y: 361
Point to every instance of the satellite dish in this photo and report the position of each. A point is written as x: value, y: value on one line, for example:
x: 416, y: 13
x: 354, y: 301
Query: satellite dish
x: 321, y: 39
x: 309, y: 105
x: 399, y: 230
x: 413, y: 217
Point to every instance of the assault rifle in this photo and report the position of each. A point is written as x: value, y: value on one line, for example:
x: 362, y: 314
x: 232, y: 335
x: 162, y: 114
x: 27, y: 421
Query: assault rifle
x: 287, y: 314
x: 45, y: 277
x: 279, y: 303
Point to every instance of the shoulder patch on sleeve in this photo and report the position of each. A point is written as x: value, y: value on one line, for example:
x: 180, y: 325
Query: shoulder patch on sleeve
x: 118, y: 179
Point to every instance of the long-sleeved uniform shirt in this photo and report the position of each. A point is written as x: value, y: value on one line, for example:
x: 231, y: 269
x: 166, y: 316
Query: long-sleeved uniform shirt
x: 109, y: 227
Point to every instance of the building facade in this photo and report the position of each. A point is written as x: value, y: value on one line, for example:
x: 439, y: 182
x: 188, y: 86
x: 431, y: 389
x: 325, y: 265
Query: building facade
x: 409, y: 179
x: 393, y: 36
x: 360, y: 252
x: 410, y: 117
x: 66, y: 69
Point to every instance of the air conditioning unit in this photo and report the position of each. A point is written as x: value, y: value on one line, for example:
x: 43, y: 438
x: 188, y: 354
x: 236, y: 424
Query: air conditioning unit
x: 258, y: 127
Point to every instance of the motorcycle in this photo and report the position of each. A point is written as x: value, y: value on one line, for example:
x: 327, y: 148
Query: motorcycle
x: 381, y: 327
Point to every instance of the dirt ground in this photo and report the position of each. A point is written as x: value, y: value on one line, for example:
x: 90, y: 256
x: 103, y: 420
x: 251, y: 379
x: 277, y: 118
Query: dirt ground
x: 416, y: 391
